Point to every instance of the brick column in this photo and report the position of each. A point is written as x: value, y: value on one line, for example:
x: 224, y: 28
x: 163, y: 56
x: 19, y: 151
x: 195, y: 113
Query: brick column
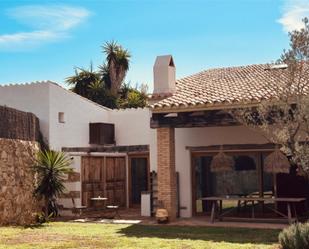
x: 166, y: 170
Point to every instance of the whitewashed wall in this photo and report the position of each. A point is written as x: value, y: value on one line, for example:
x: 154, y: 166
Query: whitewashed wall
x: 132, y: 127
x: 29, y: 98
x: 78, y: 113
x: 46, y: 100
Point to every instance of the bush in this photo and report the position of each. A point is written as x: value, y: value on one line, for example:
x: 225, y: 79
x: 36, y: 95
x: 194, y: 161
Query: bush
x: 295, y: 236
x: 41, y: 218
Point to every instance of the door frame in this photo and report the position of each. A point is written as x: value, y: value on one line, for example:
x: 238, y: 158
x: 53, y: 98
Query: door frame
x: 193, y: 181
x: 212, y: 153
x: 137, y: 155
x: 103, y: 170
x: 82, y: 175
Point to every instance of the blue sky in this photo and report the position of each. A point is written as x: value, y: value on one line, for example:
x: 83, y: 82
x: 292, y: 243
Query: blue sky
x: 45, y: 40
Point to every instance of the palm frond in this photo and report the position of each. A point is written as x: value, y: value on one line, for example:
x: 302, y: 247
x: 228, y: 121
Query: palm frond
x: 51, y: 168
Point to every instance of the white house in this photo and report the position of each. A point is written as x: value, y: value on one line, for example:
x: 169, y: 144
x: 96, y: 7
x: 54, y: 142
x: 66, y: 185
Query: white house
x: 64, y: 120
x: 185, y: 126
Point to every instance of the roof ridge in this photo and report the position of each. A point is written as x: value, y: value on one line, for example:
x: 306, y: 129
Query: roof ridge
x: 221, y: 68
x: 82, y: 97
x: 28, y: 83
x: 55, y: 84
x: 225, y: 86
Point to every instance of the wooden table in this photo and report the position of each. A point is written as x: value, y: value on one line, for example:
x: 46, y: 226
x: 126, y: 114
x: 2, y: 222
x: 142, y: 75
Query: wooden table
x: 290, y: 203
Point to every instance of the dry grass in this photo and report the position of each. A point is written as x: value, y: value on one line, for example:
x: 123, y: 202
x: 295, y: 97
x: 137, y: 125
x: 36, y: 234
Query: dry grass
x: 76, y: 235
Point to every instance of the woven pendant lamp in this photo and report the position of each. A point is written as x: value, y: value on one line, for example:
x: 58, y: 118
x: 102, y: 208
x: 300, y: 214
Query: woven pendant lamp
x: 277, y: 162
x: 274, y: 163
x: 222, y: 162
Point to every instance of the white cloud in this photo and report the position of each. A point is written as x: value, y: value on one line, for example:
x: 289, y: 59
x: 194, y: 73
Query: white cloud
x: 49, y: 24
x: 27, y: 40
x: 293, y: 13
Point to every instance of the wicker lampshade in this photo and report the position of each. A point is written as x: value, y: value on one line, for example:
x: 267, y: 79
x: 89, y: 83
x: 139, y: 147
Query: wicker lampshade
x: 277, y: 162
x: 222, y: 162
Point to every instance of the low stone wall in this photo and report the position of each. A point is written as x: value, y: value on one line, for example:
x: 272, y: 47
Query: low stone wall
x: 17, y: 204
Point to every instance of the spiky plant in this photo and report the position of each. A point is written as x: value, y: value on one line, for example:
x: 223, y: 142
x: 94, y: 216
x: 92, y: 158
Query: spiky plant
x: 118, y: 60
x: 82, y: 80
x: 51, y: 168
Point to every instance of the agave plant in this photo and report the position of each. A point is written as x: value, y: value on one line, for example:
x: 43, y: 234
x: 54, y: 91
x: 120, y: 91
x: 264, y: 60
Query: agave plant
x: 51, y: 168
x: 118, y: 60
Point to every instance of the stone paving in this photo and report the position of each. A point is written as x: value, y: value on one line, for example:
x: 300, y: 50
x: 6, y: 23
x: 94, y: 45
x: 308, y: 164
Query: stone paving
x: 132, y: 216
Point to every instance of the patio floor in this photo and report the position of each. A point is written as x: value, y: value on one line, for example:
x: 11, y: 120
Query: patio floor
x: 132, y: 216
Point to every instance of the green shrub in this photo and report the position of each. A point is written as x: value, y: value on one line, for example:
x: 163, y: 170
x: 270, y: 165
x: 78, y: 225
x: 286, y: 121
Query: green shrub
x: 41, y: 218
x: 295, y: 236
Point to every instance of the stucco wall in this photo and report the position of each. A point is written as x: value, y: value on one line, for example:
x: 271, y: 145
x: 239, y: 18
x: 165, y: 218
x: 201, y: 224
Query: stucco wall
x: 17, y: 204
x: 78, y: 113
x: 46, y: 100
x: 132, y: 127
x: 28, y: 98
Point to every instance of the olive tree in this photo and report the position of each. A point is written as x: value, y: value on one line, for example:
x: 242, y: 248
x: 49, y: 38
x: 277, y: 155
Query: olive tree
x: 284, y: 118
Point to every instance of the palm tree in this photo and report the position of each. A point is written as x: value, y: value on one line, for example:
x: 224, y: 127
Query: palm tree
x: 118, y: 60
x: 104, y: 71
x: 82, y: 80
x: 51, y: 168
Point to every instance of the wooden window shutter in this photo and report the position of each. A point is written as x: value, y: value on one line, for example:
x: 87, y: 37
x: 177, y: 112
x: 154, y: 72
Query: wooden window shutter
x: 101, y: 133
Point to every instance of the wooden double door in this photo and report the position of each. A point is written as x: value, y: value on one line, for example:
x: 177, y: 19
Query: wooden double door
x: 105, y: 177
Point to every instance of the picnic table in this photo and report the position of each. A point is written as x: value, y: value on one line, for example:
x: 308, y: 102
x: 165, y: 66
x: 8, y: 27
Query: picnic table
x: 290, y: 204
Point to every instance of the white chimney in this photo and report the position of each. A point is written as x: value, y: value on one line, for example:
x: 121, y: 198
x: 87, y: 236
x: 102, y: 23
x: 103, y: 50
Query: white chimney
x: 164, y: 75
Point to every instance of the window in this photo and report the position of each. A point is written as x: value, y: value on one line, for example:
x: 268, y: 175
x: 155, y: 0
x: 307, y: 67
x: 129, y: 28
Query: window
x: 101, y: 133
x: 243, y: 180
x: 61, y: 117
x: 244, y: 163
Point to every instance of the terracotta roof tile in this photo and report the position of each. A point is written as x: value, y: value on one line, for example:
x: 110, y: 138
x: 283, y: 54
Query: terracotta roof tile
x: 243, y: 84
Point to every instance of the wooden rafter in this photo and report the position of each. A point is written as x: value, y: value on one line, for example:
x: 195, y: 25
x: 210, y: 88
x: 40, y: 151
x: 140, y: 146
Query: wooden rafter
x: 192, y: 119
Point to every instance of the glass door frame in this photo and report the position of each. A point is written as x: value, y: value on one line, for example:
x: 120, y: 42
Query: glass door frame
x: 131, y: 156
x: 194, y: 154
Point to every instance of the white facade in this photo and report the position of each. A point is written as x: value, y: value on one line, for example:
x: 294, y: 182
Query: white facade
x: 46, y: 100
x: 29, y: 98
x: 132, y: 127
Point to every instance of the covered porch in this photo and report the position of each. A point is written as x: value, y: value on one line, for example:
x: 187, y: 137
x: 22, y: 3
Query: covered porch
x: 247, y: 179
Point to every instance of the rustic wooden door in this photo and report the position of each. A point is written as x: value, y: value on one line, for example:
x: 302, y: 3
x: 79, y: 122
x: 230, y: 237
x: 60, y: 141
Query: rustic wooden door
x: 92, y: 179
x: 116, y: 181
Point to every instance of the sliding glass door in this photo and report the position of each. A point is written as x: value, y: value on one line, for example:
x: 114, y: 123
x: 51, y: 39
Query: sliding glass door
x: 246, y: 178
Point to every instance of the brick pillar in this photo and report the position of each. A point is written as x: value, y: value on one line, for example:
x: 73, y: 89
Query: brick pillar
x: 166, y: 170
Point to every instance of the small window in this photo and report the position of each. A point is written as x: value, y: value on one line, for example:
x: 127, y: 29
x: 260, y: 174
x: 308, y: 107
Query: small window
x: 101, y: 133
x: 61, y: 117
